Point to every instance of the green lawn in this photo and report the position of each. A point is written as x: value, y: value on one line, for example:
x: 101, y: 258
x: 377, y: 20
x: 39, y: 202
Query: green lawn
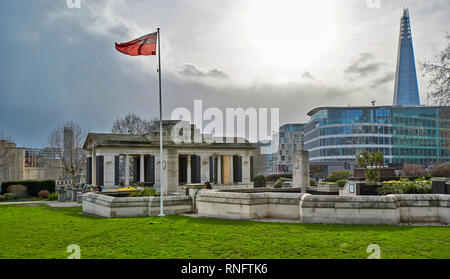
x: 39, y: 231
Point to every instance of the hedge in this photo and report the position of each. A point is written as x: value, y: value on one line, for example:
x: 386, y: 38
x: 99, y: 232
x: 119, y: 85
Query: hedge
x: 276, y: 177
x: 259, y: 181
x: 33, y: 186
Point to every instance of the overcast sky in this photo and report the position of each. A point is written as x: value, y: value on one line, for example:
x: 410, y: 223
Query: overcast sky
x: 60, y: 64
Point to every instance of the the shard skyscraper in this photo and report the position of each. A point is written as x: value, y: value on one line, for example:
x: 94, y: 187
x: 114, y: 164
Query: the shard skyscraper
x: 406, y: 92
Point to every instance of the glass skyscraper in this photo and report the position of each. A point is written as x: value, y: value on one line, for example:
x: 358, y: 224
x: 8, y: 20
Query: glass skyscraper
x: 406, y: 92
x: 405, y: 135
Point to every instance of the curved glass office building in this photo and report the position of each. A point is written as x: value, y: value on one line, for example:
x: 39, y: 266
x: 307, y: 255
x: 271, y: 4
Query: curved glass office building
x: 405, y: 135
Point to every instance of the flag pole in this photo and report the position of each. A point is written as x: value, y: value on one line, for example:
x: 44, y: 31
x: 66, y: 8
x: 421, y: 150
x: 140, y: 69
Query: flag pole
x: 161, y: 157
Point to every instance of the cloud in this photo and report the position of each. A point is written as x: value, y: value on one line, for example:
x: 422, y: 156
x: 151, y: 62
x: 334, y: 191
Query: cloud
x: 307, y: 76
x: 60, y: 64
x: 193, y: 70
x: 383, y: 79
x: 362, y: 67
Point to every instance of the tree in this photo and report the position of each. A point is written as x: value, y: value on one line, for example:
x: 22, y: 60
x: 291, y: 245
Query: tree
x: 132, y: 124
x: 67, y: 140
x: 372, y: 163
x: 438, y: 72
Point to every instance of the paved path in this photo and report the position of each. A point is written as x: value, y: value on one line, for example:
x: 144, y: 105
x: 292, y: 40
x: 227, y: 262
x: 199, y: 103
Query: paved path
x: 49, y: 203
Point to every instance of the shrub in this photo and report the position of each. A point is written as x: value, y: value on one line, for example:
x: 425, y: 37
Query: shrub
x: 341, y: 183
x: 372, y: 174
x: 19, y: 191
x: 280, y: 181
x: 372, y: 163
x: 2, y: 198
x: 276, y: 177
x: 146, y: 192
x: 312, y: 182
x: 9, y: 196
x: 33, y: 187
x: 44, y: 194
x: 405, y: 186
x: 53, y: 197
x: 441, y: 171
x: 335, y: 176
x: 413, y: 170
x: 259, y: 181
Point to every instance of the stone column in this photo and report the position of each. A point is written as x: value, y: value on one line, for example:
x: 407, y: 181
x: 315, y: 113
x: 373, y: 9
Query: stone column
x: 94, y: 167
x: 246, y: 169
x: 189, y: 178
x: 127, y: 171
x: 219, y: 170
x: 109, y: 174
x: 231, y: 170
x: 170, y: 182
x: 204, y: 166
x: 300, y: 173
x: 141, y: 168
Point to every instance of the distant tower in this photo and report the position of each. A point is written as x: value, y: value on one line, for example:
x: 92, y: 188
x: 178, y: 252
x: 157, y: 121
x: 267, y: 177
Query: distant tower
x: 406, y: 92
x: 68, y: 143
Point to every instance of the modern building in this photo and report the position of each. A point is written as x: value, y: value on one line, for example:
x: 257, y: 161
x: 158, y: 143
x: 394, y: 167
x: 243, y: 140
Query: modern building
x: 22, y: 163
x: 221, y: 161
x: 11, y: 161
x: 405, y: 135
x: 291, y: 140
x: 406, y: 92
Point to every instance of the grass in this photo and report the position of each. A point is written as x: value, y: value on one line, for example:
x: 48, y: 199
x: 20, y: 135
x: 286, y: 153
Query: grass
x: 40, y: 232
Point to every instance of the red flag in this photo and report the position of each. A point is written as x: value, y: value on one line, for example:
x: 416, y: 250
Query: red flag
x: 145, y: 45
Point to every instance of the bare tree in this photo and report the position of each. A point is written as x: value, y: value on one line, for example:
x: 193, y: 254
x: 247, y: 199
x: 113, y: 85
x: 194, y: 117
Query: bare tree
x: 438, y: 72
x: 67, y: 140
x: 132, y: 124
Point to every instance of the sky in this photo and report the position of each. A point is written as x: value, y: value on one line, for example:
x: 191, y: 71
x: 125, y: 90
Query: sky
x: 59, y: 63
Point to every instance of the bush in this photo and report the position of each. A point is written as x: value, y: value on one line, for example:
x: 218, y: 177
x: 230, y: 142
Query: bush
x: 372, y: 174
x: 335, y: 176
x: 9, y: 196
x: 53, y: 197
x: 19, y: 191
x: 405, y: 186
x: 33, y: 187
x: 413, y: 170
x: 280, y: 181
x: 312, y: 182
x: 146, y: 192
x: 276, y: 177
x: 2, y: 198
x: 44, y: 194
x: 341, y: 183
x: 259, y: 181
x: 441, y: 171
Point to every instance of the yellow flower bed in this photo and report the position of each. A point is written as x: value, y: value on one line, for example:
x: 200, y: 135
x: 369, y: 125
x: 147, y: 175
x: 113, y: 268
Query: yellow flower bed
x: 129, y: 188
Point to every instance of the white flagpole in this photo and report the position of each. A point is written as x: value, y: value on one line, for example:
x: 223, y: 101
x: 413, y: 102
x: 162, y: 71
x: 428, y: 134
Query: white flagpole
x: 161, y: 157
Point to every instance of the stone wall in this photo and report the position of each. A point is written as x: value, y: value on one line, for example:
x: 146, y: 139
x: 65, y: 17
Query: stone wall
x: 247, y: 206
x: 306, y: 208
x: 110, y: 207
x: 254, y: 204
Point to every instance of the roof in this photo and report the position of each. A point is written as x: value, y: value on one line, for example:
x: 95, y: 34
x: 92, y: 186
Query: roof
x: 120, y: 140
x: 115, y: 140
x: 315, y: 110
